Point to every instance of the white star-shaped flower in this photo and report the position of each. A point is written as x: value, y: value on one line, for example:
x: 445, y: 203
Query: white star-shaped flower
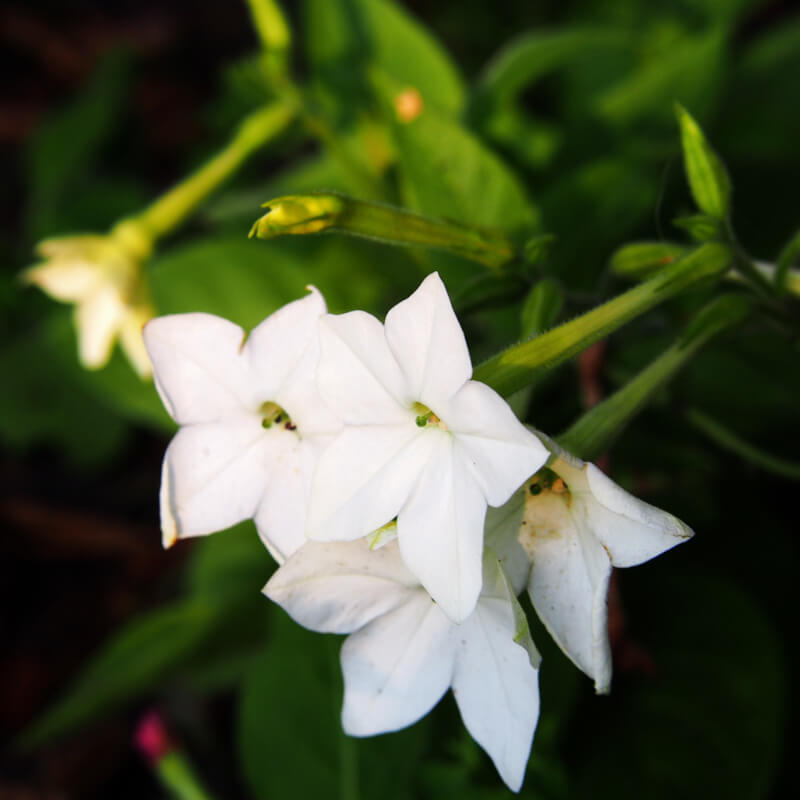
x: 577, y: 525
x: 422, y: 442
x: 251, y: 421
x: 404, y: 653
x: 104, y: 281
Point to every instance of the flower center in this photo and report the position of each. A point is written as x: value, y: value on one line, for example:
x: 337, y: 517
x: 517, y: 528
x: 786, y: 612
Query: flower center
x: 426, y: 417
x: 548, y: 514
x: 273, y: 414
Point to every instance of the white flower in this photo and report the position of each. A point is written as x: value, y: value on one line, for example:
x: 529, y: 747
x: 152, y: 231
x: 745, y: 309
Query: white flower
x: 251, y: 421
x: 404, y: 653
x: 422, y: 442
x: 103, y: 279
x: 578, y: 524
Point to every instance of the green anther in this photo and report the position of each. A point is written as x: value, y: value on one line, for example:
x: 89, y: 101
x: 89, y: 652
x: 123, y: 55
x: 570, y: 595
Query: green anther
x: 423, y: 419
x: 273, y: 414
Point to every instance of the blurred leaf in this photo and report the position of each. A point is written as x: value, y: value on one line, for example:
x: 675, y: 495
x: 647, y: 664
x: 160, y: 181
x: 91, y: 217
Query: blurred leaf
x: 709, y: 723
x: 342, y: 34
x: 447, y: 172
x: 45, y: 400
x: 64, y: 146
x: 530, y: 56
x: 641, y: 259
x: 701, y: 227
x: 708, y: 179
x: 135, y: 659
x: 688, y: 70
x: 233, y: 561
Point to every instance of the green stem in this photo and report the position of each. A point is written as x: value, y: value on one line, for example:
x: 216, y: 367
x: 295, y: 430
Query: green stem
x: 178, y: 776
x: 166, y: 213
x: 730, y: 441
x: 520, y: 365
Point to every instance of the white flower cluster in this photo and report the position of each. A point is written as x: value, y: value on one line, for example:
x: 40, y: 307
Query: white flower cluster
x: 367, y: 457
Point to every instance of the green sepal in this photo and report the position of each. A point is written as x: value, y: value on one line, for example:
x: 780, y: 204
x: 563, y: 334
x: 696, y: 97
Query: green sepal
x: 707, y: 176
x: 596, y: 430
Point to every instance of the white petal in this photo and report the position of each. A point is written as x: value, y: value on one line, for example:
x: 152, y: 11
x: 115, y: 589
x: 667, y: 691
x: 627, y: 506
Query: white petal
x: 500, y: 450
x: 68, y: 280
x: 428, y: 343
x: 501, y: 535
x: 98, y: 319
x: 496, y: 687
x: 275, y: 348
x: 281, y: 515
x: 197, y: 366
x: 357, y: 374
x: 216, y: 473
x: 338, y: 587
x: 396, y: 668
x: 364, y: 478
x: 631, y: 530
x: 441, y: 530
x: 568, y: 583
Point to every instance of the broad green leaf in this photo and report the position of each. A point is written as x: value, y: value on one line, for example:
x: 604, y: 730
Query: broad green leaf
x: 708, y: 179
x: 46, y: 401
x: 708, y: 723
x: 233, y: 561
x: 687, y: 70
x: 289, y: 733
x: 449, y: 173
x: 346, y: 33
x: 530, y: 56
x: 134, y: 661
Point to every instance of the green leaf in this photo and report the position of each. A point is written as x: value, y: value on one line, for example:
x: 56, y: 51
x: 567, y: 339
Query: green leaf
x: 709, y: 723
x: 708, y: 179
x: 529, y: 57
x: 642, y: 259
x: 344, y: 36
x: 786, y: 259
x: 447, y: 172
x: 132, y: 662
x: 688, y: 70
x: 701, y: 227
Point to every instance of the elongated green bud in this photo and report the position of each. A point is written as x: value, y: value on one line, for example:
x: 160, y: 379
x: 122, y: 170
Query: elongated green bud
x: 271, y: 25
x: 520, y: 365
x: 330, y: 212
x: 595, y: 431
x: 642, y: 259
x: 708, y: 179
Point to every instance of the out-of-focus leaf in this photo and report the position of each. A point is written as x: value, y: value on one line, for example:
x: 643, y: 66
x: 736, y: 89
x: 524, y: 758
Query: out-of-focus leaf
x: 132, y: 662
x: 707, y: 176
x: 344, y: 33
x: 542, y: 307
x: 63, y: 147
x: 447, y: 172
x: 45, y: 400
x: 290, y: 739
x: 641, y: 259
x: 709, y: 722
x: 687, y: 70
x: 530, y: 56
x: 233, y: 561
